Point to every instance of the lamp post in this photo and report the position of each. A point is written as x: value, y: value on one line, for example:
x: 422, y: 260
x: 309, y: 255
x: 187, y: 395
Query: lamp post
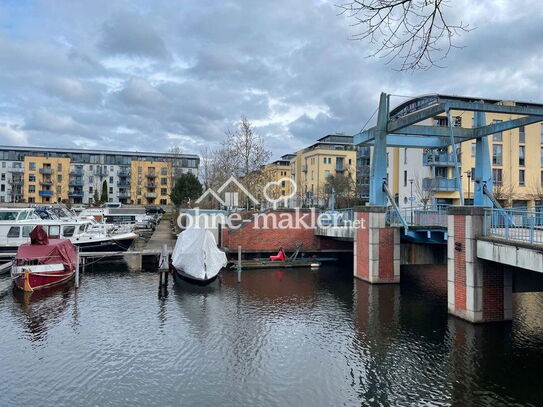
x: 468, y: 173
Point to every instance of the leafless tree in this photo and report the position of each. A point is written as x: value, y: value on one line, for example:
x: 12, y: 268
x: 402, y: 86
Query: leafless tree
x: 344, y: 187
x: 425, y: 193
x: 417, y: 32
x: 536, y: 191
x: 503, y: 191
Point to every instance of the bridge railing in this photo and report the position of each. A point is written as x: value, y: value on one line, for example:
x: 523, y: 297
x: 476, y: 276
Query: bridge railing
x: 430, y: 215
x: 514, y: 224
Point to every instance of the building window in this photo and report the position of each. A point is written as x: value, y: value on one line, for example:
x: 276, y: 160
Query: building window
x: 59, y: 167
x: 91, y: 179
x: 521, y: 178
x: 164, y: 171
x: 522, y: 156
x: 497, y: 136
x: 497, y: 154
x: 324, y: 160
x: 473, y: 149
x: 163, y: 191
x: 405, y: 178
x: 163, y: 181
x: 111, y: 180
x: 59, y: 190
x: 110, y: 190
x: 31, y: 189
x: 497, y: 176
x: 521, y: 135
x: 31, y: 178
x: 32, y: 166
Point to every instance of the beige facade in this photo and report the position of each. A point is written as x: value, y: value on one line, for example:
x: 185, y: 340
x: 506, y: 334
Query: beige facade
x: 332, y: 155
x: 46, y: 179
x: 151, y: 182
x: 278, y: 172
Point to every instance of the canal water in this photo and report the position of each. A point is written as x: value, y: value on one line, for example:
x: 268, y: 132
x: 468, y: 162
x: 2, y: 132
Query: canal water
x: 279, y: 338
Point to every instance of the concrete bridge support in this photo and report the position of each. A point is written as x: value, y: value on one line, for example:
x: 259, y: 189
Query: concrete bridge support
x: 376, y: 247
x: 477, y: 290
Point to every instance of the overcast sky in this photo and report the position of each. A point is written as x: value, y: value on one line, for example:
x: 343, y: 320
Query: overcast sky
x: 146, y: 75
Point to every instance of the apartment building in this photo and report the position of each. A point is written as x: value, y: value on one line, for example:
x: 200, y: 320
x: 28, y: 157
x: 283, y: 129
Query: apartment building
x: 275, y: 172
x: 516, y: 158
x: 41, y: 175
x: 151, y: 181
x: 45, y: 179
x: 310, y: 167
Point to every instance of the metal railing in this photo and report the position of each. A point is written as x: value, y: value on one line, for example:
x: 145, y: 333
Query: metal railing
x: 514, y: 224
x: 430, y: 215
x: 339, y: 217
x: 439, y: 159
x: 439, y: 184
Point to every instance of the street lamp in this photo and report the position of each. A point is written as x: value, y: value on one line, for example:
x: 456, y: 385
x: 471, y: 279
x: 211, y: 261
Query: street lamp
x: 468, y: 173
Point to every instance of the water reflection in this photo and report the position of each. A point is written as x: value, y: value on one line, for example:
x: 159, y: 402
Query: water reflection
x: 42, y: 309
x: 278, y: 337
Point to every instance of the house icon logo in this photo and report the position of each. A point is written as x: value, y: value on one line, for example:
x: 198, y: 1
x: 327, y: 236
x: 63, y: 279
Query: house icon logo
x: 231, y: 199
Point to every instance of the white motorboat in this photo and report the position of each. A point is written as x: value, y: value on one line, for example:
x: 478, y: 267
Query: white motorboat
x: 17, y: 223
x: 196, y: 257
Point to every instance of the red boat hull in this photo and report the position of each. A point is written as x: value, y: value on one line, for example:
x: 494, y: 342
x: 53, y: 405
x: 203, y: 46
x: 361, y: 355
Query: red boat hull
x: 31, y: 281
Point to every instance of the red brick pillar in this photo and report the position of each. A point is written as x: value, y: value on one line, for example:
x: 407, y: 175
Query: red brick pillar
x: 477, y: 290
x: 376, y: 246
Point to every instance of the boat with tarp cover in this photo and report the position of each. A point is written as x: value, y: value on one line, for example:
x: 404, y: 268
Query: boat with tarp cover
x: 43, y: 262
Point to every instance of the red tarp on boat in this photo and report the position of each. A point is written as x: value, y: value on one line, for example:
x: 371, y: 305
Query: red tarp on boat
x: 47, y: 251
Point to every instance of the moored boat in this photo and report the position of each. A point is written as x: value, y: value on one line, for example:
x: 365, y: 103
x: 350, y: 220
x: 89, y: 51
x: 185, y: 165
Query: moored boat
x: 196, y: 257
x: 43, y: 262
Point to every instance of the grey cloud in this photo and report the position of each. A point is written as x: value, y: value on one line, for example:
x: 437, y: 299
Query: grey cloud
x: 130, y: 34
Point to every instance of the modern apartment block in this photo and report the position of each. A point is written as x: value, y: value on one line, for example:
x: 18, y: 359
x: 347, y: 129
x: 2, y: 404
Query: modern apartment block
x: 44, y: 175
x: 275, y: 172
x: 152, y: 181
x: 331, y: 155
x: 428, y: 175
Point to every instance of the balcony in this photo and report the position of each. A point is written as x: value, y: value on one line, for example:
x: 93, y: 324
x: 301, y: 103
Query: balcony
x: 46, y: 192
x: 438, y: 159
x: 46, y: 171
x: 16, y: 181
x: 16, y: 170
x: 150, y: 195
x: 76, y: 183
x: 304, y: 168
x: 151, y: 186
x: 340, y: 168
x: 123, y: 195
x: 75, y: 193
x: 151, y: 175
x: 46, y: 182
x: 124, y: 173
x: 121, y: 184
x: 77, y: 172
x: 439, y: 184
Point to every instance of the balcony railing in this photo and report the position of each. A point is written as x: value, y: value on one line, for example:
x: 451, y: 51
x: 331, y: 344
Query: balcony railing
x: 123, y: 195
x: 151, y: 185
x: 16, y: 170
x: 46, y: 182
x: 340, y: 167
x: 46, y: 170
x: 151, y: 175
x: 124, y: 173
x: 439, y: 159
x: 16, y: 181
x: 150, y: 195
x: 46, y: 192
x: 78, y: 172
x: 75, y: 193
x: 304, y: 168
x: 76, y: 182
x: 439, y: 184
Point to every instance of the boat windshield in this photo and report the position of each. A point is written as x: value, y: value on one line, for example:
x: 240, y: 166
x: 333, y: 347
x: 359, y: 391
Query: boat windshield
x: 8, y: 215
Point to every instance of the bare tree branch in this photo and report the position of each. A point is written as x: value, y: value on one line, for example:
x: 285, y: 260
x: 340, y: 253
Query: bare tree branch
x: 414, y: 31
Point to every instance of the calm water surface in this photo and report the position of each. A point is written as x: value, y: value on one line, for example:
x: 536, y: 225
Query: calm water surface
x: 280, y: 338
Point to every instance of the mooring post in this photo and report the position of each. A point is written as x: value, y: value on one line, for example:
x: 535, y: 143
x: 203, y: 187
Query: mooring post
x: 239, y: 263
x: 78, y: 259
x: 163, y: 266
